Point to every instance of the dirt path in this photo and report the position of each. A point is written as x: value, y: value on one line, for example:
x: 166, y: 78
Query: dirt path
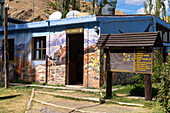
x: 72, y: 106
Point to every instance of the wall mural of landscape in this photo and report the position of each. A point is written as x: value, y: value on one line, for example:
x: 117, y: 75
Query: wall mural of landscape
x: 24, y: 68
x: 91, y: 59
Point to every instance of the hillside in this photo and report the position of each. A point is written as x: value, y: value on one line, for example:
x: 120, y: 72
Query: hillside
x: 22, y: 9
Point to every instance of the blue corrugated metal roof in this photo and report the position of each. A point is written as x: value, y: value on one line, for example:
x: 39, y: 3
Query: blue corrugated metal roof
x: 66, y: 21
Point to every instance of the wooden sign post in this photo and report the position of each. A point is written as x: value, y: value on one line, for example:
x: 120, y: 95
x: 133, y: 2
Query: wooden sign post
x: 148, y: 87
x: 109, y: 85
x: 132, y: 53
x: 6, y: 46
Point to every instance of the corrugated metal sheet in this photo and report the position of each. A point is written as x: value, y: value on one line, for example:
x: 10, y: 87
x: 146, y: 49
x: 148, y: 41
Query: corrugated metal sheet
x: 130, y: 40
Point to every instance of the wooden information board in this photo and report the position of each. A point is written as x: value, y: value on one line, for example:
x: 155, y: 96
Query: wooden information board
x: 129, y: 60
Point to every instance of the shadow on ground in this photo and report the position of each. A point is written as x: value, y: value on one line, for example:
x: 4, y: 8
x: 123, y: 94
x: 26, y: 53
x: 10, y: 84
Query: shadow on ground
x: 8, y: 97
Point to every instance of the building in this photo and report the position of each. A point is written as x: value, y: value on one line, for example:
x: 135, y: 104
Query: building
x: 70, y: 45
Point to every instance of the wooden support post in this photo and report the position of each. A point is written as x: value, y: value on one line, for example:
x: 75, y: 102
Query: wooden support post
x: 109, y: 85
x: 6, y: 47
x: 148, y: 87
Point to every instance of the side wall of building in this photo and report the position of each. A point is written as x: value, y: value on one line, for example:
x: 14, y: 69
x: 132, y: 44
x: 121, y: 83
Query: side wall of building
x: 24, y: 67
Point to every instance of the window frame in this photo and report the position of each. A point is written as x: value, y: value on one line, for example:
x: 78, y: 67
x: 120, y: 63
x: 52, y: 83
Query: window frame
x: 9, y: 51
x: 42, y: 39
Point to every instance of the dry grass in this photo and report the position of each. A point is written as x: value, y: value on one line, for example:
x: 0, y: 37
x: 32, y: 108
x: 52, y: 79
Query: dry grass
x: 14, y: 99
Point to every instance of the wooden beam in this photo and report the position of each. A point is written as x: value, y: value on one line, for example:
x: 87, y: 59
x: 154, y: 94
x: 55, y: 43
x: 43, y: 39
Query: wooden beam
x: 46, y: 75
x: 148, y: 87
x: 29, y: 103
x: 109, y: 85
x: 6, y: 46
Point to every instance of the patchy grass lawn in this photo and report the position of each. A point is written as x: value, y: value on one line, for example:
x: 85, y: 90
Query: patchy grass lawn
x: 15, y: 98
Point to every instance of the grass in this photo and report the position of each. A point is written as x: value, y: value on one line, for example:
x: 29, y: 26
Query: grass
x: 15, y: 98
x: 115, y: 86
x: 137, y: 90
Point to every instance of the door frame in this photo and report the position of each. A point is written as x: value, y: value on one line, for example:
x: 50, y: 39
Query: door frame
x: 68, y: 33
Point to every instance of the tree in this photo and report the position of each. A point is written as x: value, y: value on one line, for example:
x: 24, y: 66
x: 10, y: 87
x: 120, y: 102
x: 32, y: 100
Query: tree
x: 61, y: 5
x: 160, y: 5
x: 160, y: 8
x: 163, y: 10
x: 95, y: 8
x: 162, y: 72
x: 148, y: 4
x: 74, y: 4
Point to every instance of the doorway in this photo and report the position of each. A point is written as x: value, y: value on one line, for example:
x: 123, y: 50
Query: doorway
x: 75, y: 59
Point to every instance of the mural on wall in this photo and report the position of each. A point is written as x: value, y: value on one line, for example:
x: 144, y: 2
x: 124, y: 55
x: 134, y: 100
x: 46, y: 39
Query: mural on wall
x: 56, y: 51
x: 91, y: 59
x: 56, y: 54
x: 1, y: 61
x: 23, y: 49
x: 24, y: 68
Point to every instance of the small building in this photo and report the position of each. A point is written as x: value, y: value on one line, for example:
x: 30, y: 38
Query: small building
x: 64, y: 51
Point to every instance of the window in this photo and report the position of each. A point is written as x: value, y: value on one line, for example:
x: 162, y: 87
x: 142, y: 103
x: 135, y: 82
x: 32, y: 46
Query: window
x: 10, y: 49
x: 39, y: 48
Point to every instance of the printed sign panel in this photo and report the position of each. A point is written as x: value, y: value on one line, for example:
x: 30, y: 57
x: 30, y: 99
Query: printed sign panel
x: 74, y: 31
x: 129, y: 60
x: 143, y: 61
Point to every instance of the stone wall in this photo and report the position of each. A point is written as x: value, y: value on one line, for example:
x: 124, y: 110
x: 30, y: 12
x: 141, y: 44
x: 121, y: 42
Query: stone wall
x: 57, y: 75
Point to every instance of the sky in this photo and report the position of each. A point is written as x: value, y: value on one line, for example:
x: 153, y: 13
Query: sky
x: 135, y: 6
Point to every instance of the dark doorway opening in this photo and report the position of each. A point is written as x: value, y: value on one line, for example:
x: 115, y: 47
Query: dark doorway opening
x: 75, y: 44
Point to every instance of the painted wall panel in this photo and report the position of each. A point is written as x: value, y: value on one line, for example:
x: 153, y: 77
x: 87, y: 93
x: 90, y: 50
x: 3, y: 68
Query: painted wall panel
x: 91, y: 59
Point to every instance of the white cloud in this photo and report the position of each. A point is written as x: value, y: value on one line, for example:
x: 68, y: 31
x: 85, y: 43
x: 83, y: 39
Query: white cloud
x: 126, y: 10
x: 140, y: 11
x: 166, y: 4
x: 134, y: 2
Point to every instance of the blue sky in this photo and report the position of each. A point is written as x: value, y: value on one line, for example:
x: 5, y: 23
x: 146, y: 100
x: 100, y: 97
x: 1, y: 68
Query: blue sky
x: 129, y: 6
x: 135, y: 6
